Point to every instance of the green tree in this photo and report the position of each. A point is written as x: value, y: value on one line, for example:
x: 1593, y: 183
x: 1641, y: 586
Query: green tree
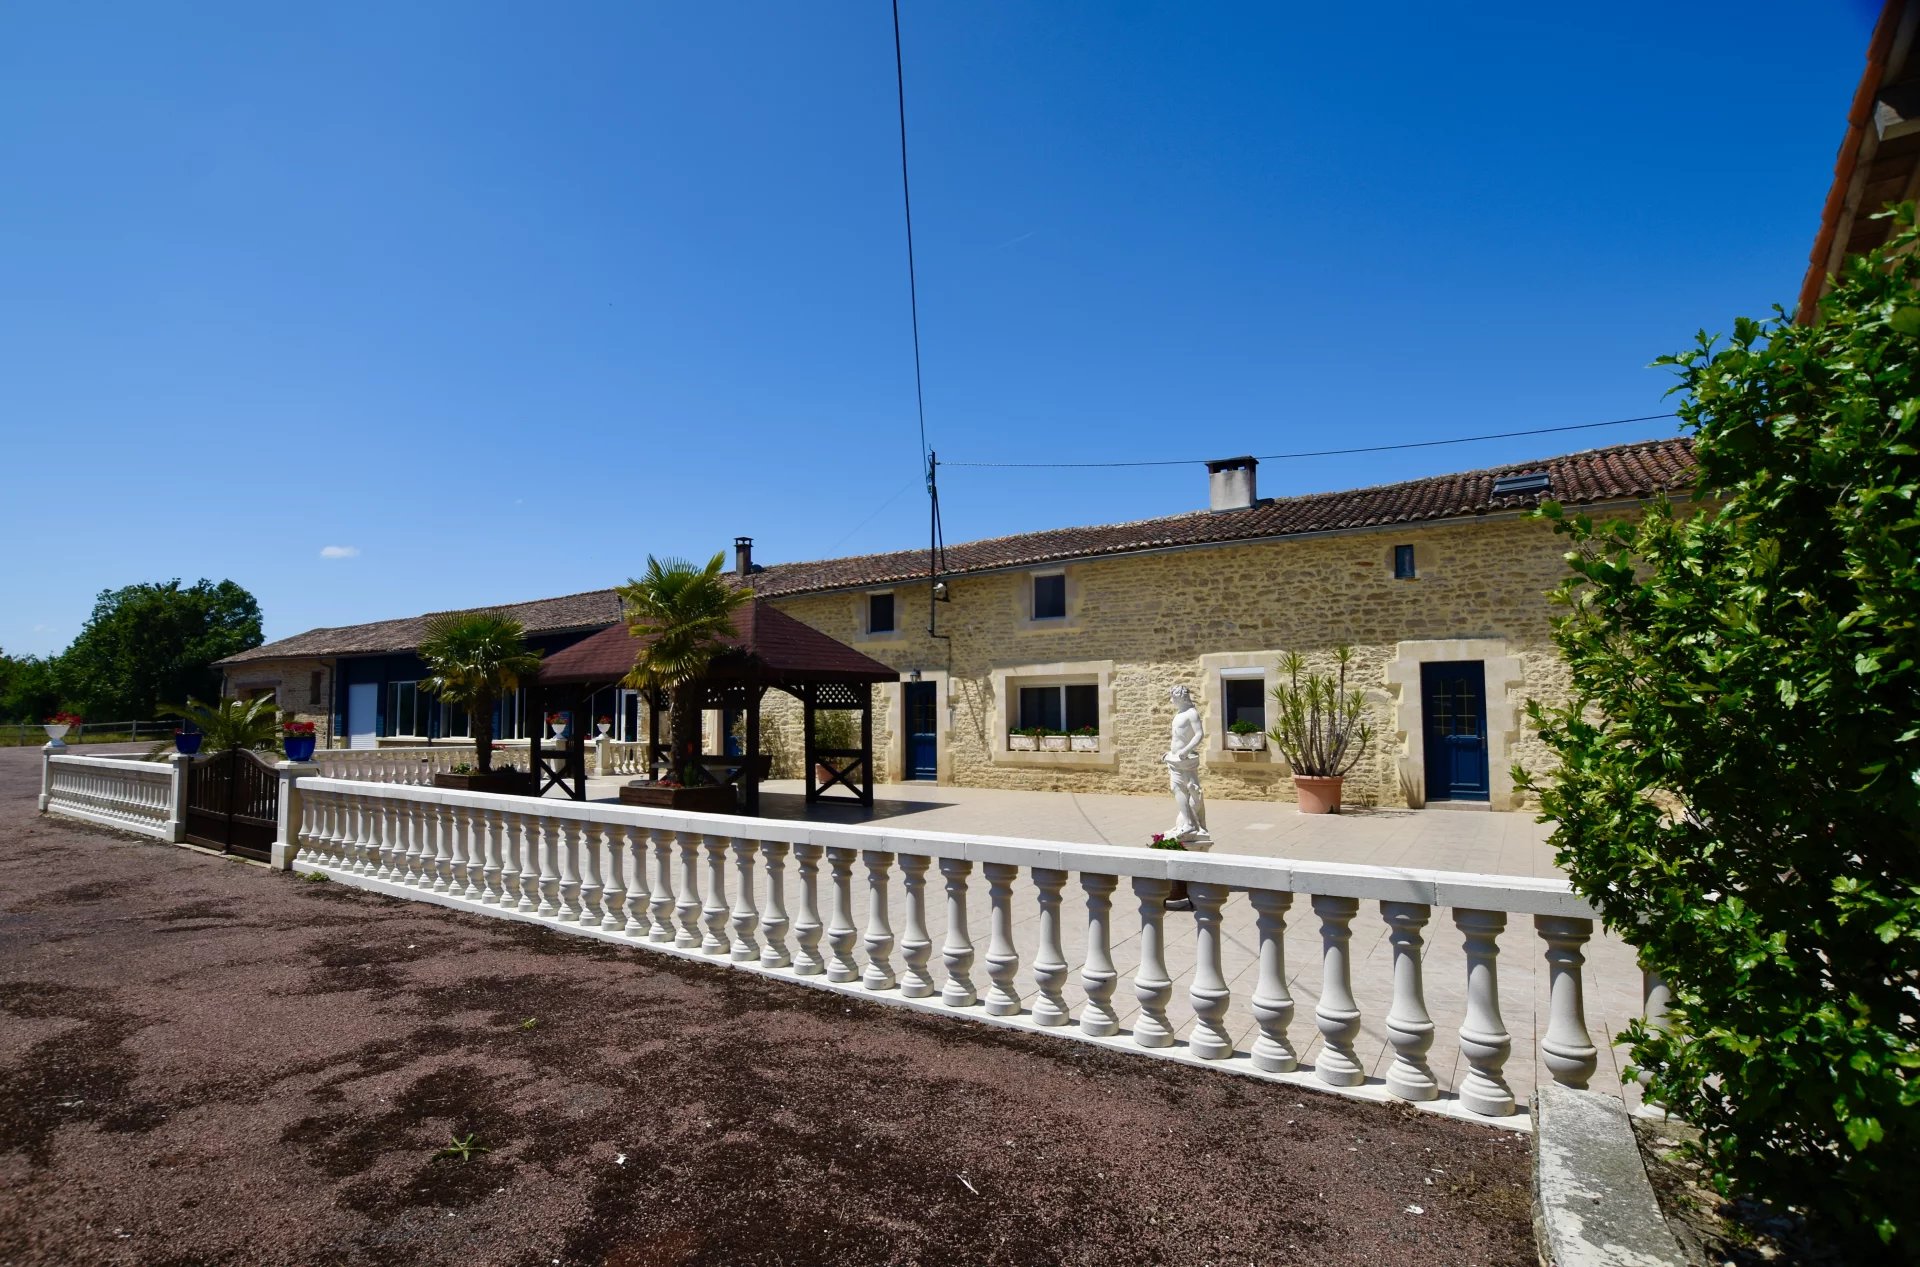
x: 29, y: 688
x: 146, y: 644
x: 474, y: 658
x: 683, y: 616
x: 1739, y: 778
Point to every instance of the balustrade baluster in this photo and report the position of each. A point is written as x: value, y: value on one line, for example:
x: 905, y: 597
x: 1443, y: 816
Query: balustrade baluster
x: 879, y: 940
x: 463, y: 820
x: 444, y: 847
x: 713, y: 938
x: 394, y: 840
x: 522, y: 894
x: 613, y: 897
x: 1003, y: 961
x: 507, y: 892
x: 916, y: 947
x: 660, y: 892
x: 1208, y: 994
x: 773, y: 923
x: 841, y: 964
x: 1337, y: 1015
x: 806, y: 925
x: 1272, y: 1004
x: 1483, y: 1036
x: 587, y: 845
x: 745, y: 917
x: 957, y: 952
x: 548, y: 885
x: 1409, y: 1028
x: 686, y: 905
x: 1567, y: 1048
x: 1151, y: 984
x: 567, y: 893
x: 1097, y: 975
x: 493, y: 844
x: 633, y: 849
x: 1049, y: 960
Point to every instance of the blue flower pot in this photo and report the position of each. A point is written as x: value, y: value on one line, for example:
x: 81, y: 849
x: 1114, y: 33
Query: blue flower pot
x: 187, y: 741
x: 300, y: 747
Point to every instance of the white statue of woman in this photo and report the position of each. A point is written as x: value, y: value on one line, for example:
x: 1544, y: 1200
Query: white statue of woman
x: 1183, y: 770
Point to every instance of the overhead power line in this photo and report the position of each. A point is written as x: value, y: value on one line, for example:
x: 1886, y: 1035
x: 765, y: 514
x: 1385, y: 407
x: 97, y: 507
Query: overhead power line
x: 906, y: 199
x: 1325, y: 453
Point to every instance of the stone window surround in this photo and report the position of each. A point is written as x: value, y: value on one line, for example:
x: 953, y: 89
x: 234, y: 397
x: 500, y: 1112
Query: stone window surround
x: 1213, y: 705
x: 1504, y: 676
x: 862, y: 614
x: 1005, y: 683
x: 890, y: 707
x: 1024, y: 619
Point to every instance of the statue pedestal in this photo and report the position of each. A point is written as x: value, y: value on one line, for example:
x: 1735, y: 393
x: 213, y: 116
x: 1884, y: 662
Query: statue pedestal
x: 1196, y: 841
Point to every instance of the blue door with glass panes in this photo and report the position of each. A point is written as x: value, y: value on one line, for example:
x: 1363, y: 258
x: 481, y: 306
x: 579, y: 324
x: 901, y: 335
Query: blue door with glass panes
x: 923, y: 744
x: 1453, y: 699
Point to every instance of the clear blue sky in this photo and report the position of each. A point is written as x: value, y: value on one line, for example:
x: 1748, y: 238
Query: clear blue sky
x: 505, y: 296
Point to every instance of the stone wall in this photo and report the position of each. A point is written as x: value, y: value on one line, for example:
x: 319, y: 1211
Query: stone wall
x: 295, y: 689
x: 1140, y: 624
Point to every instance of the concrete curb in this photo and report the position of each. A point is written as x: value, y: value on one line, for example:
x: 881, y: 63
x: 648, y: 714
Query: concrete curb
x: 1593, y: 1204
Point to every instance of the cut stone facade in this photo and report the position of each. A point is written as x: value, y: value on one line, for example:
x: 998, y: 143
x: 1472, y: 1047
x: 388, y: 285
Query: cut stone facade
x: 1136, y: 625
x: 301, y: 688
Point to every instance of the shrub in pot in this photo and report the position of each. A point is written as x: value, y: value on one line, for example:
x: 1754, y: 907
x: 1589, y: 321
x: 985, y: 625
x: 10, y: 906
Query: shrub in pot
x: 833, y: 728
x: 1320, y: 728
x: 475, y: 658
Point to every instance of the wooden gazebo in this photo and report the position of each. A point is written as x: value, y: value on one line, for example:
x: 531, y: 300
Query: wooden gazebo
x: 769, y: 649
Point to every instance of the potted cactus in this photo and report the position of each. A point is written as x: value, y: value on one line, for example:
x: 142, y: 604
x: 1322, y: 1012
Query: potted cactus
x: 1321, y: 729
x: 1244, y: 736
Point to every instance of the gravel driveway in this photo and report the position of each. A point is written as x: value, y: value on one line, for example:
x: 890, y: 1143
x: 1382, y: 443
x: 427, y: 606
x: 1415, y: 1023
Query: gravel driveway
x: 206, y: 1062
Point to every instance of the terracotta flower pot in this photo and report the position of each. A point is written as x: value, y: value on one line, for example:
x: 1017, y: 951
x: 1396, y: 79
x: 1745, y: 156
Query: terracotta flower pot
x: 1318, y: 794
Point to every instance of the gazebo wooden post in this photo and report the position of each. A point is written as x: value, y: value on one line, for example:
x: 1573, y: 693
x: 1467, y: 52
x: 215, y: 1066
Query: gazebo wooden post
x: 807, y: 741
x: 577, y: 748
x: 537, y: 710
x: 866, y: 744
x: 752, y: 753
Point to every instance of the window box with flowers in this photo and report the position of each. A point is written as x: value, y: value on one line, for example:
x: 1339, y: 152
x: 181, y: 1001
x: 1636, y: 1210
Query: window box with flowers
x: 1244, y: 736
x: 57, y: 727
x: 1086, y: 739
x: 1027, y: 740
x: 298, y: 738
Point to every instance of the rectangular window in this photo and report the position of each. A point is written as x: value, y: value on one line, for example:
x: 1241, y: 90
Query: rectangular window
x: 1246, y: 701
x: 313, y: 691
x: 1050, y: 597
x: 1403, y: 563
x: 406, y: 711
x: 879, y: 613
x: 1070, y: 707
x: 454, y: 722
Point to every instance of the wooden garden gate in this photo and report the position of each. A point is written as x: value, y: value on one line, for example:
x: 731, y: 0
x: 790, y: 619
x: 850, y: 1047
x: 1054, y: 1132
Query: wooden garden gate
x: 233, y: 803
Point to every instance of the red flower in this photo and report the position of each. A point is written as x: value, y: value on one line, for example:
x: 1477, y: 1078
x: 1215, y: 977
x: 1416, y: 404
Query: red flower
x: 63, y: 719
x: 297, y: 727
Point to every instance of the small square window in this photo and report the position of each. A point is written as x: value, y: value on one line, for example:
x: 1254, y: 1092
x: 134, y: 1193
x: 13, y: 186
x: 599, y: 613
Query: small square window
x: 1403, y: 563
x: 1050, y: 597
x: 879, y: 613
x: 1247, y: 701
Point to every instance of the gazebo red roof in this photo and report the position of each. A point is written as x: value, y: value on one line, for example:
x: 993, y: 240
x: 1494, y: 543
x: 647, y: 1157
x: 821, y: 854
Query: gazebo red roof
x: 767, y: 644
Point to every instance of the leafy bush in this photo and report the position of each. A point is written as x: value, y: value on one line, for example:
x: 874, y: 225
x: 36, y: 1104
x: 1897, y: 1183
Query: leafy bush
x: 1318, y: 727
x: 1739, y: 785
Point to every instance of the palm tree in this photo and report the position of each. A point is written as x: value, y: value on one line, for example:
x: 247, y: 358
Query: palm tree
x: 474, y: 658
x: 684, y: 616
x: 253, y: 724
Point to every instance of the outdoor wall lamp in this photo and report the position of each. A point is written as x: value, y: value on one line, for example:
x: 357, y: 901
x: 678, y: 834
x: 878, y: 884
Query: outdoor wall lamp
x: 913, y: 675
x: 939, y: 591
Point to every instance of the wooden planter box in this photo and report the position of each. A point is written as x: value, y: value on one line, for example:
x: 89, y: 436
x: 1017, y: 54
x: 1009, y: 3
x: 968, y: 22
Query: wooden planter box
x: 516, y: 784
x: 1256, y: 742
x: 695, y: 800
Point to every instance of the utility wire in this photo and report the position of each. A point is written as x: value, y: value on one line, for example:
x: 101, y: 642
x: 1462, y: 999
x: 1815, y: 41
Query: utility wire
x: 1323, y: 453
x: 906, y: 198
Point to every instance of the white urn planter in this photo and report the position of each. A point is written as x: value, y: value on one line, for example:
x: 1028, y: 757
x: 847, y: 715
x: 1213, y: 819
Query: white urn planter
x: 1086, y: 743
x: 603, y: 728
x: 1053, y: 743
x: 57, y: 734
x: 1021, y: 743
x: 1255, y: 742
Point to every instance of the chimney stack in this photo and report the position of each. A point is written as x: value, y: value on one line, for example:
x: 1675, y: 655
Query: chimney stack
x: 743, y: 555
x: 1230, y: 483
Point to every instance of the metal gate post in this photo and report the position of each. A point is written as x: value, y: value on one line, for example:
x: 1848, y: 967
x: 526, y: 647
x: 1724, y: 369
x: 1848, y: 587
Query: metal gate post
x: 286, y: 836
x: 177, y: 796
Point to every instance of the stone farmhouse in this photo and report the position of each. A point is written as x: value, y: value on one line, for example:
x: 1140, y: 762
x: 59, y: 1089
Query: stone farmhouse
x: 1439, y: 584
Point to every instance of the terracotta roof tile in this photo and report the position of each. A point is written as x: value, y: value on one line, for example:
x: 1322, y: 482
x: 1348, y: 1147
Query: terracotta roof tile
x: 1623, y: 472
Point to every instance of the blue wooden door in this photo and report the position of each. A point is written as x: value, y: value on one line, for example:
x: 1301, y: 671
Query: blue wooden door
x: 923, y: 745
x: 1453, y: 698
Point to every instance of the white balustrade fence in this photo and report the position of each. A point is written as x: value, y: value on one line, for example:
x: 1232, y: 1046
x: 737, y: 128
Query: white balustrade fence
x: 414, y: 766
x: 148, y: 797
x: 621, y: 756
x: 820, y: 904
